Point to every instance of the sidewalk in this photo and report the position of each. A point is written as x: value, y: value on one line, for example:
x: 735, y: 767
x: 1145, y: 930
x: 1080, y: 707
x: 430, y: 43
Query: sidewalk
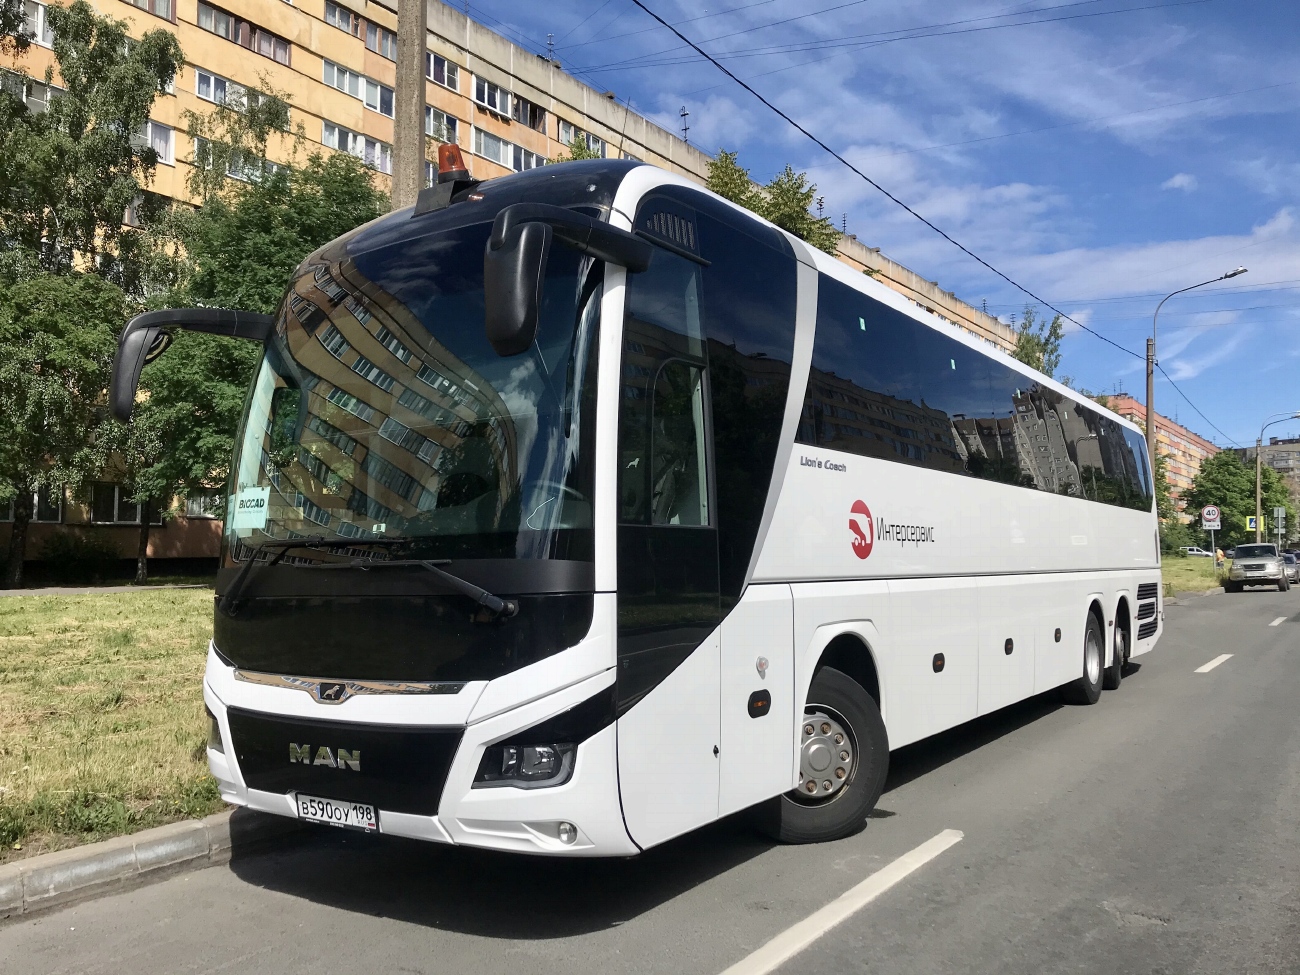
x: 65, y: 876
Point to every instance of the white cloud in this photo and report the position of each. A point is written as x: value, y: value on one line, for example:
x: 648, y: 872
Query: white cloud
x: 1180, y: 181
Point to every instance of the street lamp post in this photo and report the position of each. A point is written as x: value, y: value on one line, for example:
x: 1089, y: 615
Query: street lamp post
x: 1259, y: 466
x: 1151, y: 363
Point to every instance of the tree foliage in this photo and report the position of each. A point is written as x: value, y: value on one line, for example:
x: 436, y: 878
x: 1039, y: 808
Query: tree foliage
x: 58, y: 334
x: 15, y: 37
x: 1038, y: 341
x: 1226, y: 481
x: 68, y: 174
x: 786, y: 201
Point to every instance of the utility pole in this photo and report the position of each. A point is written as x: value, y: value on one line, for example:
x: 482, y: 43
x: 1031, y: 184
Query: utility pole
x: 408, y: 98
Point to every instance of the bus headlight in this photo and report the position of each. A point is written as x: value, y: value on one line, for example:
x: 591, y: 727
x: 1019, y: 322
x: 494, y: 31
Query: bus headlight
x: 525, y: 766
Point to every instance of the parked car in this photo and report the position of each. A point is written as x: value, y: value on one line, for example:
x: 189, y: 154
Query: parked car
x: 1291, y: 565
x: 1257, y: 565
x: 1194, y: 552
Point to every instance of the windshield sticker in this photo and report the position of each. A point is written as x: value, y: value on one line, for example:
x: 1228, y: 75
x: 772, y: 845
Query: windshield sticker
x: 248, y: 509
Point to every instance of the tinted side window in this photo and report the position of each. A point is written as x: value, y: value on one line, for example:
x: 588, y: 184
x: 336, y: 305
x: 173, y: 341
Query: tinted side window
x: 884, y: 385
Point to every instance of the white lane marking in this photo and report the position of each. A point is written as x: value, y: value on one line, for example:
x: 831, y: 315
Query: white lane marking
x: 1214, y: 663
x: 1280, y: 619
x: 796, y: 938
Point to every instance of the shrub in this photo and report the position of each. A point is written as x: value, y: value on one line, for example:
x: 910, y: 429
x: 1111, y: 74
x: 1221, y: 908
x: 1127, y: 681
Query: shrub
x: 76, y: 557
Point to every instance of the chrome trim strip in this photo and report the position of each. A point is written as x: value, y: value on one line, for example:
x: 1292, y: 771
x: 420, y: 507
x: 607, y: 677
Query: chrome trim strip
x: 337, y: 691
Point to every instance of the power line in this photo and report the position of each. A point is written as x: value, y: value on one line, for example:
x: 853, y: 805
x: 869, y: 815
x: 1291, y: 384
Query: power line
x: 688, y: 20
x: 583, y: 21
x: 965, y: 250
x: 1184, y: 396
x: 851, y: 44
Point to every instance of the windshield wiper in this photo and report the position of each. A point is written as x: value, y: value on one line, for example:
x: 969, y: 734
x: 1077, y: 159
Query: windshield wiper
x: 229, y: 603
x: 493, y: 604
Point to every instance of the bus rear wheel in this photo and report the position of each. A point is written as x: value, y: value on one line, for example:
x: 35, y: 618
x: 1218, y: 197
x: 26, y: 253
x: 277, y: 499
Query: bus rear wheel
x: 843, y: 760
x: 1086, y: 689
x: 1111, y: 677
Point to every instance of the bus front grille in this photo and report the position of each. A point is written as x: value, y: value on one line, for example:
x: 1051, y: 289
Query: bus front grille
x: 396, y: 768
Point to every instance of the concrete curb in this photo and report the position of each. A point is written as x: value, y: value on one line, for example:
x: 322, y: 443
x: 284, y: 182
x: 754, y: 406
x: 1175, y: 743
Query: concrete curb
x: 65, y: 876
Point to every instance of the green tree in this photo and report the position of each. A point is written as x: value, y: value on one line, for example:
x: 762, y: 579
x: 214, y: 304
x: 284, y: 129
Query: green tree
x: 1226, y: 481
x: 731, y: 181
x: 15, y: 38
x: 1038, y: 341
x: 68, y: 174
x: 57, y: 339
x: 785, y: 201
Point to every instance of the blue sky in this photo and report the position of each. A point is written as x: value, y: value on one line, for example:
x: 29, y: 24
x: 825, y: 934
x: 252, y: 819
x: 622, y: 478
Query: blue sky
x: 1110, y: 153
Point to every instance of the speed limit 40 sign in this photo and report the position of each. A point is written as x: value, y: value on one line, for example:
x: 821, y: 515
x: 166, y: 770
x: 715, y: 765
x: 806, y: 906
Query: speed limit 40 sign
x: 1210, y: 520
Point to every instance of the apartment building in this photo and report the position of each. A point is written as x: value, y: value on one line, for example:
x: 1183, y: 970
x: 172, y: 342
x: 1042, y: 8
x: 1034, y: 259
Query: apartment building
x: 507, y: 108
x: 1184, y: 450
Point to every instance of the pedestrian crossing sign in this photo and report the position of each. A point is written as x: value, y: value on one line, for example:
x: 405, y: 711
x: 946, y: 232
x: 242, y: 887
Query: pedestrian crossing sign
x: 1252, y: 523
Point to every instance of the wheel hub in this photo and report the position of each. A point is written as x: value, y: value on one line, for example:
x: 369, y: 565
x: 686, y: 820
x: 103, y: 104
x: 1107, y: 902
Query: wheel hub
x: 1093, y: 659
x: 825, y: 756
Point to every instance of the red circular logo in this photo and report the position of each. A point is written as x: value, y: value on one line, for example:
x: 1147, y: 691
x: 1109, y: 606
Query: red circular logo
x: 864, y: 533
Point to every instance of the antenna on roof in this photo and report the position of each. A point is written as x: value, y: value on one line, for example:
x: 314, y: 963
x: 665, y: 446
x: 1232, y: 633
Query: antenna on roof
x: 821, y: 203
x: 684, y: 115
x: 550, y: 47
x: 844, y: 223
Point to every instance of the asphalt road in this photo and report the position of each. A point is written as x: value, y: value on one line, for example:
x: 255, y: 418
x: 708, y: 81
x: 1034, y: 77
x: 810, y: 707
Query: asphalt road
x: 1154, y: 832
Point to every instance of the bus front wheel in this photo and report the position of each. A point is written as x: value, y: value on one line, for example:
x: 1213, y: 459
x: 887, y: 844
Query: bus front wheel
x: 843, y: 760
x: 1086, y: 689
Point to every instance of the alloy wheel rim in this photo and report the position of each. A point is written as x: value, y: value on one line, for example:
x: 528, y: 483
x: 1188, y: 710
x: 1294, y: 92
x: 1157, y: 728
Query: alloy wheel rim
x: 1093, y: 658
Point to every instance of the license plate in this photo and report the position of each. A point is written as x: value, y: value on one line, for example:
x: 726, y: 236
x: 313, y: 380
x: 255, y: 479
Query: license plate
x: 335, y: 812
x: 1253, y: 575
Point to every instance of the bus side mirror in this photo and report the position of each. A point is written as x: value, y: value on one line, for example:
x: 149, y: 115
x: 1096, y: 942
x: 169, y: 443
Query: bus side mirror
x: 147, y: 336
x: 514, y: 271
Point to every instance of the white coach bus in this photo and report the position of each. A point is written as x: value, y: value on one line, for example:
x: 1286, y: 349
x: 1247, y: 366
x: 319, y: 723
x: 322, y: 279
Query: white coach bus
x: 577, y: 509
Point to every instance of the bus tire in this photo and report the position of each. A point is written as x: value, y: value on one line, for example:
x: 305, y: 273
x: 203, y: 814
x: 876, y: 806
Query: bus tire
x: 1086, y: 689
x: 1113, y: 674
x: 837, y: 705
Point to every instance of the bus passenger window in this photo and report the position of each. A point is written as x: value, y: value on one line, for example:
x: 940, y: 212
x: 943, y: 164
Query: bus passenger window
x: 678, y: 488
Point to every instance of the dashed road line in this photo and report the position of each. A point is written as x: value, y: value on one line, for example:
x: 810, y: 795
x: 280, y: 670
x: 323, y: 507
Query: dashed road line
x: 1280, y: 619
x: 796, y: 938
x: 1214, y: 663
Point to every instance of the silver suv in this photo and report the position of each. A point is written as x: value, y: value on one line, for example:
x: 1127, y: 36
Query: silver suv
x: 1257, y: 565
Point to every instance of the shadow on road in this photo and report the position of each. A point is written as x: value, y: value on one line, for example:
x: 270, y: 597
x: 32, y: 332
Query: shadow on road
x: 913, y: 761
x: 493, y: 895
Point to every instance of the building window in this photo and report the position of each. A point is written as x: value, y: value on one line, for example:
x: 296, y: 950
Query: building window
x: 533, y: 116
x: 239, y: 166
x: 158, y: 137
x: 47, y: 506
x: 439, y: 125
x: 342, y: 18
x: 159, y: 8
x: 243, y: 33
x: 382, y: 42
x: 350, y: 403
x: 214, y: 88
x: 505, y: 153
x: 379, y: 98
x: 344, y: 80
x: 208, y: 503
x: 441, y: 71
x: 492, y: 97
x: 569, y: 133
x: 110, y: 504
x: 372, y: 151
x: 370, y: 372
x: 37, y: 24
x: 394, y: 345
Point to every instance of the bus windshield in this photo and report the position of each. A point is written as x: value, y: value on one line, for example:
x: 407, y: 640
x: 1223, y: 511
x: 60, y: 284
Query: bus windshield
x: 380, y: 409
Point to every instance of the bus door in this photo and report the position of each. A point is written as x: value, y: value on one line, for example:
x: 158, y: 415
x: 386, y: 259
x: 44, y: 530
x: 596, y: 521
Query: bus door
x: 668, y: 605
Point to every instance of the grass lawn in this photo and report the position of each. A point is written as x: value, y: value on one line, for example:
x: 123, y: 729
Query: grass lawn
x: 1188, y: 574
x: 102, y: 728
